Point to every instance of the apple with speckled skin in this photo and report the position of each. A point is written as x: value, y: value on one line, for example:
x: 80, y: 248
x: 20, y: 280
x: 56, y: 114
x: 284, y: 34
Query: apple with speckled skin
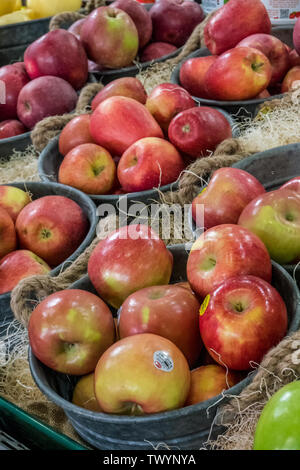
x: 110, y: 37
x: 13, y: 200
x: 70, y: 330
x: 244, y: 318
x: 46, y: 227
x: 159, y: 310
x: 209, y: 381
x: 17, y: 265
x: 127, y: 260
x: 142, y: 374
x: 226, y: 251
x: 8, y: 237
x: 275, y: 218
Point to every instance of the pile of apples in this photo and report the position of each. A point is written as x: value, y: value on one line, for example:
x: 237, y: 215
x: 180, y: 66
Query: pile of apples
x: 35, y: 236
x: 125, y: 31
x: 166, y: 350
x: 133, y: 142
x: 234, y: 196
x: 247, y: 62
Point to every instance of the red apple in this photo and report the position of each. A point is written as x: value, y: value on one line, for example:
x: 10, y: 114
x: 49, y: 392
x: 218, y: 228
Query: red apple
x: 89, y: 168
x: 174, y: 20
x: 293, y: 184
x: 149, y: 163
x: 14, y: 77
x: 84, y: 394
x: 223, y: 252
x: 129, y: 259
x: 233, y: 22
x: 198, y: 131
x: 43, y: 97
x: 227, y: 194
x: 296, y: 36
x: 167, y: 100
x: 11, y: 128
x: 289, y: 80
x: 244, y: 318
x: 274, y: 49
x: 18, y: 265
x: 110, y: 37
x: 76, y: 132
x: 209, y: 381
x: 140, y: 16
x: 294, y: 58
x: 13, y: 200
x: 129, y: 87
x: 70, y: 330
x: 45, y: 57
x: 275, y: 218
x: 169, y: 311
x: 263, y: 94
x: 156, y: 50
x: 8, y: 238
x: 142, y: 374
x: 46, y: 227
x: 118, y: 122
x: 75, y: 28
x: 192, y: 73
x: 238, y: 74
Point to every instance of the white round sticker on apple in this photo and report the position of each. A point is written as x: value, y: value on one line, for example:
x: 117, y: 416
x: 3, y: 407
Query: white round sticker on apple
x: 163, y: 361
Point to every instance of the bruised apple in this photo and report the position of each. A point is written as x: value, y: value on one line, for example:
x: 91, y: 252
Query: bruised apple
x: 70, y: 330
x: 127, y: 260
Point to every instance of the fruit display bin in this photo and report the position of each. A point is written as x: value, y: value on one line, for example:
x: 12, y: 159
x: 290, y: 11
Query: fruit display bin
x: 31, y: 432
x: 186, y: 428
x: 25, y: 32
x: 239, y: 109
x: 18, y: 143
x: 38, y: 190
x: 50, y: 160
x: 272, y: 168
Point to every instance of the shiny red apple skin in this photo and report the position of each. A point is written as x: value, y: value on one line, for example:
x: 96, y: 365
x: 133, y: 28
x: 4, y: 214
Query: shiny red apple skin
x: 170, y: 311
x: 149, y: 163
x: 70, y: 330
x: 140, y: 16
x: 274, y: 49
x: 238, y: 74
x: 118, y: 122
x: 128, y: 260
x: 227, y: 194
x: 226, y: 251
x: 296, y: 36
x: 110, y: 37
x: 14, y: 77
x: 275, y: 218
x: 18, y: 265
x: 209, y: 381
x: 130, y: 380
x: 245, y: 317
x: 46, y: 227
x: 156, y: 50
x: 174, y: 20
x: 233, y: 22
x: 13, y: 200
x: 192, y: 73
x: 293, y: 184
x: 76, y: 132
x: 167, y: 100
x: 75, y: 27
x: 44, y: 97
x: 45, y: 57
x: 11, y: 128
x: 8, y: 237
x: 129, y: 87
x: 292, y: 76
x: 198, y: 131
x: 89, y: 168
